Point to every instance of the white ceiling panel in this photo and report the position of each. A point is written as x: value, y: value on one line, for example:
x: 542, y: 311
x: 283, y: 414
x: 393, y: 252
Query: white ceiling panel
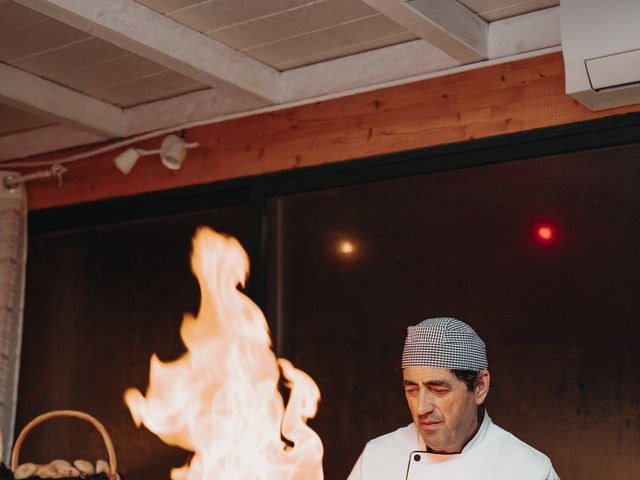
x: 310, y: 18
x: 349, y: 38
x: 84, y: 53
x: 165, y: 6
x: 35, y: 38
x: 341, y: 52
x: 165, y: 84
x: 98, y: 76
x: 13, y: 120
x: 14, y: 17
x: 491, y: 10
x: 212, y: 15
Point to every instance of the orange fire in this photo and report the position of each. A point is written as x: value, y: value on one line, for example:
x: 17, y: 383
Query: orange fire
x: 220, y: 400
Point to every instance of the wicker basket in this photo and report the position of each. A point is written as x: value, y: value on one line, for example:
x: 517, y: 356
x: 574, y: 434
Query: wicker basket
x: 113, y: 475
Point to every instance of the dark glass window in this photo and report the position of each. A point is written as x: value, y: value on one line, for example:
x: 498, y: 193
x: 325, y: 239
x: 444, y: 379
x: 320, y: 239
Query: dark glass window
x: 559, y: 315
x: 100, y: 301
x: 343, y: 271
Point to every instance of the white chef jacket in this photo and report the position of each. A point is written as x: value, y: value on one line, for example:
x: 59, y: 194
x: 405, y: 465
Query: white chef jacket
x: 492, y: 454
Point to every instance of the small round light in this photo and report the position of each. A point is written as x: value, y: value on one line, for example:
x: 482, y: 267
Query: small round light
x: 346, y: 247
x: 545, y: 233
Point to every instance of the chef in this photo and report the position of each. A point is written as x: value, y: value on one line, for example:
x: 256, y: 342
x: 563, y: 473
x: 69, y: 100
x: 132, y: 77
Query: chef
x: 446, y: 381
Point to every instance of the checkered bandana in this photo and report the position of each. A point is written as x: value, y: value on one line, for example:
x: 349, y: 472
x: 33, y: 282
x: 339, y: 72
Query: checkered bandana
x: 444, y: 343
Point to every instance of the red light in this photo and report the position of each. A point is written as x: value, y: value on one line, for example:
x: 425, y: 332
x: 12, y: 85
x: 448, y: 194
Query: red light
x: 545, y: 233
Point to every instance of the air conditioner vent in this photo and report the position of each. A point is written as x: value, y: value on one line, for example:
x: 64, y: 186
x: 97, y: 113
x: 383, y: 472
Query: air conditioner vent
x: 601, y: 49
x: 614, y: 70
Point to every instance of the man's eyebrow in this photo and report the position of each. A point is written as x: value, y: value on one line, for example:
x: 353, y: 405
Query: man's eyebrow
x: 430, y: 383
x: 437, y: 383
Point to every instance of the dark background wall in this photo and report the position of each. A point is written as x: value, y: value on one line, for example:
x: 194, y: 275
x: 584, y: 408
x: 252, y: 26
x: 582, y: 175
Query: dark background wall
x: 560, y: 320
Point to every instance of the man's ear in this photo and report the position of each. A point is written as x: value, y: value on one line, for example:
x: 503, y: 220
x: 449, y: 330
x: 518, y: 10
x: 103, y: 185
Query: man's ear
x: 481, y: 389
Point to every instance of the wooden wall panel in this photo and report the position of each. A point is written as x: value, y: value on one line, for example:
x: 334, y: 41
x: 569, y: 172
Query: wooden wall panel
x: 501, y: 99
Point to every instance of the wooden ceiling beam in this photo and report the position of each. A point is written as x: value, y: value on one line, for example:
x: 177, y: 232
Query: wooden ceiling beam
x: 341, y: 76
x: 59, y: 104
x: 162, y: 114
x: 151, y: 35
x: 446, y: 24
x: 411, y: 61
x: 43, y: 140
x: 525, y: 33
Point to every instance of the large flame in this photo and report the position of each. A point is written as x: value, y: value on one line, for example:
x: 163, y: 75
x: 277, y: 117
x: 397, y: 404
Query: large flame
x: 220, y: 400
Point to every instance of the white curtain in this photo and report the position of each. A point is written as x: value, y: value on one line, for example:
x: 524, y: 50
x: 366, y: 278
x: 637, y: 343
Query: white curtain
x: 13, y: 252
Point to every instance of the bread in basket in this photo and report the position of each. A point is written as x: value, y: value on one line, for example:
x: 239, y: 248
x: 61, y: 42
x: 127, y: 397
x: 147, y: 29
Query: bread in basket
x: 62, y: 469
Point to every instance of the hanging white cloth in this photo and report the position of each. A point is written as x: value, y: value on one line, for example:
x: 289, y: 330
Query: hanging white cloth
x: 13, y: 252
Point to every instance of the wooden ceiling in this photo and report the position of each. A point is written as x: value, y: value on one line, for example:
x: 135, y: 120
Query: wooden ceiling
x: 80, y: 72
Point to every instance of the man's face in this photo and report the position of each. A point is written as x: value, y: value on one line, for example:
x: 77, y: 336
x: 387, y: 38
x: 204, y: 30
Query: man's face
x: 442, y: 407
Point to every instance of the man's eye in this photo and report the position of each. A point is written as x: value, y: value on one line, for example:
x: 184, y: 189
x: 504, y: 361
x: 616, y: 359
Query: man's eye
x: 440, y: 391
x: 411, y: 390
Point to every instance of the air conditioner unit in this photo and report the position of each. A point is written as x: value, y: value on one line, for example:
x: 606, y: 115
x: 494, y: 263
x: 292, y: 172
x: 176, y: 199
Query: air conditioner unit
x: 601, y: 48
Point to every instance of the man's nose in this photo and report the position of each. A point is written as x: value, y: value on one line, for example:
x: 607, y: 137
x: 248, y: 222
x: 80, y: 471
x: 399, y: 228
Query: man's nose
x: 425, y: 402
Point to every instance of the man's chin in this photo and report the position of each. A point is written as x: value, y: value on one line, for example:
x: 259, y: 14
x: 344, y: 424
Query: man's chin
x: 435, y: 444
x: 431, y: 440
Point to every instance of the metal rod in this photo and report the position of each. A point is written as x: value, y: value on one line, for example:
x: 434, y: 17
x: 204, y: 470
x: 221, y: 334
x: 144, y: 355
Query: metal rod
x: 11, y: 182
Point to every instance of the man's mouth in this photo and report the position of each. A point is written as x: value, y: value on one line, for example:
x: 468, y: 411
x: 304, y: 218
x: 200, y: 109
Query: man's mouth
x: 430, y: 424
